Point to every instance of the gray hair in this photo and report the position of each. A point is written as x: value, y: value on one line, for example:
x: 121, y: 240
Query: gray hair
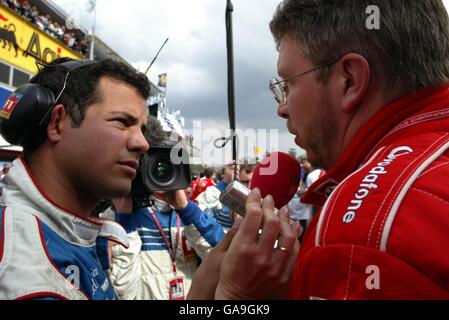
x: 410, y: 50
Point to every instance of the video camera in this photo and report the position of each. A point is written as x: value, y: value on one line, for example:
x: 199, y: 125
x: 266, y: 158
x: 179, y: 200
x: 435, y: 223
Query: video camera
x: 161, y: 168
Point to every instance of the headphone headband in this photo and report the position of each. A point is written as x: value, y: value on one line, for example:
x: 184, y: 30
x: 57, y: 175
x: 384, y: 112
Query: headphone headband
x: 69, y: 66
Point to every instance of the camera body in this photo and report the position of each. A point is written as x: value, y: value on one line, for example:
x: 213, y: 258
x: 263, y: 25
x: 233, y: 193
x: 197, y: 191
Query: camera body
x: 161, y: 168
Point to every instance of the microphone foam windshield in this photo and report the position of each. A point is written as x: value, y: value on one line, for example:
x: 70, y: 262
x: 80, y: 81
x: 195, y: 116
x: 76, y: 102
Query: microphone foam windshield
x: 279, y: 175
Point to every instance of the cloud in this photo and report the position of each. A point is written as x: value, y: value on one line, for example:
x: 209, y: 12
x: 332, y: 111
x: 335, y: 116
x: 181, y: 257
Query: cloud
x: 195, y: 57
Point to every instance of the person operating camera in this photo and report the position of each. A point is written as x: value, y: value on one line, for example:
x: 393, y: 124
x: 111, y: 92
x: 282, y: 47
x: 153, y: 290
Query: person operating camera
x: 166, y: 241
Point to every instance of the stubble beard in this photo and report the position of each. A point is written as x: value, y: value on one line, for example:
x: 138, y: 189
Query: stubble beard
x: 323, y: 135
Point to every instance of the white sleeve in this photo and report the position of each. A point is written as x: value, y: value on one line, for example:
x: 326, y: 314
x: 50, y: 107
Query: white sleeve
x: 197, y: 242
x: 209, y: 199
x: 125, y: 272
x: 312, y: 177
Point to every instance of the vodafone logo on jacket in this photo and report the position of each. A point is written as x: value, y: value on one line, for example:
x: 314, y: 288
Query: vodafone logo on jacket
x: 369, y: 182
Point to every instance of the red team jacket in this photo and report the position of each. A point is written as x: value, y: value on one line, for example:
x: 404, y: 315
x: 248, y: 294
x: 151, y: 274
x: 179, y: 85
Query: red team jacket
x: 383, y: 230
x: 200, y: 186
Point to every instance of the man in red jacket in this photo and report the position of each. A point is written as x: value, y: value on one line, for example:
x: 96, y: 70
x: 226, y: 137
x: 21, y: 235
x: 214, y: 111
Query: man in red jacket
x: 202, y: 184
x: 364, y: 87
x: 375, y: 115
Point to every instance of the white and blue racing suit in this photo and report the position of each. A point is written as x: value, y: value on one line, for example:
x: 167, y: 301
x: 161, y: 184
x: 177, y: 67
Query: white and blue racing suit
x: 47, y: 252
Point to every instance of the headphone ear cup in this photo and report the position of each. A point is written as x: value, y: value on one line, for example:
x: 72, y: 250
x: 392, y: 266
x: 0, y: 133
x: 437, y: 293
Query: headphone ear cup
x: 22, y: 114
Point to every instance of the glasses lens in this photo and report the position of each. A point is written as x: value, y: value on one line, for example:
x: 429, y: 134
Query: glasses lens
x: 276, y: 89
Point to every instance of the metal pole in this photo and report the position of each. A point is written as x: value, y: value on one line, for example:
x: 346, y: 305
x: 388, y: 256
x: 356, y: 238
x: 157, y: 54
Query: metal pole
x: 231, y: 92
x: 92, y: 40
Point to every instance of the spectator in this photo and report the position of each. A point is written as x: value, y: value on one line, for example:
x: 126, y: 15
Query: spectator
x: 204, y: 183
x: 245, y: 174
x: 33, y: 14
x: 5, y: 170
x: 300, y: 211
x: 210, y: 198
x: 48, y: 25
x: 40, y: 22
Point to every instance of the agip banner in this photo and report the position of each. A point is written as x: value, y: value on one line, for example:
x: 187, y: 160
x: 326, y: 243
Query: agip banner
x: 21, y: 43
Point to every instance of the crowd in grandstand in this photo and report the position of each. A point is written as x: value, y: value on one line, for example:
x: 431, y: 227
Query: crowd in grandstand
x: 45, y: 23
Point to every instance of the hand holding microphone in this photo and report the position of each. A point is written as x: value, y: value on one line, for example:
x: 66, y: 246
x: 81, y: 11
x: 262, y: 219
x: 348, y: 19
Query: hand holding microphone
x: 268, y: 246
x: 266, y: 242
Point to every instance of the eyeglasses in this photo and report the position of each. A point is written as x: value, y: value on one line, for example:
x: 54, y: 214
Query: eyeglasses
x: 278, y: 87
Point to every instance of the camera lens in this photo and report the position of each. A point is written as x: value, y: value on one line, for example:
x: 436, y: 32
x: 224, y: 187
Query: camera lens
x: 162, y: 170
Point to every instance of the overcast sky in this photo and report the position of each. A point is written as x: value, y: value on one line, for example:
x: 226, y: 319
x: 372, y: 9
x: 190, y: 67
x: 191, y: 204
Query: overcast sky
x: 195, y: 55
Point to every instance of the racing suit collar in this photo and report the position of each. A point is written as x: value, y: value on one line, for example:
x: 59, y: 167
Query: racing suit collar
x: 21, y: 191
x: 387, y: 123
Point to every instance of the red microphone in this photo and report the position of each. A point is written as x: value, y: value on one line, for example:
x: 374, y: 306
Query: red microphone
x: 278, y: 174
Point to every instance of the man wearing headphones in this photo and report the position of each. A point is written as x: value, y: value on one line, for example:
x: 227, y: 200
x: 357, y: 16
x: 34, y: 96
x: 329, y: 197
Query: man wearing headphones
x: 82, y: 126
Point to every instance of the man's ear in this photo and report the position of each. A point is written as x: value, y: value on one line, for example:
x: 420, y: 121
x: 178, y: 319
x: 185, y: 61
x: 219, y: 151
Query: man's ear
x: 58, y: 118
x: 355, y: 74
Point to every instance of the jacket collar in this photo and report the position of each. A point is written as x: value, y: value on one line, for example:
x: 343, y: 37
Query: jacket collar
x: 417, y: 112
x: 22, y: 192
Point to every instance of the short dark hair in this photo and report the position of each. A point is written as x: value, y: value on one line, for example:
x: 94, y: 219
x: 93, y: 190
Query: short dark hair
x: 209, y: 172
x: 155, y: 135
x: 410, y: 50
x: 82, y: 84
x: 248, y: 168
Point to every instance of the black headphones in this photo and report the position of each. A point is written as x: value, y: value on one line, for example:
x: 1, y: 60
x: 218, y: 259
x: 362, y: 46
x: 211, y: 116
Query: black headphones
x: 26, y: 113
